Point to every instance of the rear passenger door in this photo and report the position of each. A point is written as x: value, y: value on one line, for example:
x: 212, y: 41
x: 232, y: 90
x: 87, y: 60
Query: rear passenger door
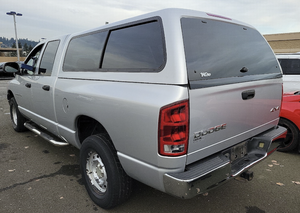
x: 43, y: 89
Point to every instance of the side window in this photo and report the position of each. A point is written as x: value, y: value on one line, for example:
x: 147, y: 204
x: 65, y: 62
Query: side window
x: 84, y: 53
x: 47, y: 60
x: 135, y: 48
x: 30, y: 63
x: 290, y: 66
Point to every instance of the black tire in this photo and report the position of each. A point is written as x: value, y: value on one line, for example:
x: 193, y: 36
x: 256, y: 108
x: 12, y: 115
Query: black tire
x: 17, y: 118
x: 105, y: 180
x: 292, y: 138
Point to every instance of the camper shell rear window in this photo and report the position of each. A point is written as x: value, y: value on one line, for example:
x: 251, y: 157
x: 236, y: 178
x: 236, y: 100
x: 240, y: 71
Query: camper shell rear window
x: 219, y: 53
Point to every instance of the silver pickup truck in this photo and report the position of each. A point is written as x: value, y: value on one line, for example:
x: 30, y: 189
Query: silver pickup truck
x: 179, y: 100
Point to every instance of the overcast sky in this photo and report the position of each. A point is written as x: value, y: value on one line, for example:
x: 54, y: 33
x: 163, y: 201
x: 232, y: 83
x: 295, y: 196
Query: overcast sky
x: 46, y: 19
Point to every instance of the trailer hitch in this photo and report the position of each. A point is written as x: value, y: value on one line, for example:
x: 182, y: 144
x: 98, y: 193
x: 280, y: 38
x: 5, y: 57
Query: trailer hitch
x: 248, y: 175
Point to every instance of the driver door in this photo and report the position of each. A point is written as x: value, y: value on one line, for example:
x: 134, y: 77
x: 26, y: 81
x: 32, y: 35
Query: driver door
x: 23, y: 90
x: 42, y: 88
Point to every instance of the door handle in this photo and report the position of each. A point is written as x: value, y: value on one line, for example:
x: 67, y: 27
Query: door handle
x: 246, y: 95
x: 46, y: 87
x: 28, y: 85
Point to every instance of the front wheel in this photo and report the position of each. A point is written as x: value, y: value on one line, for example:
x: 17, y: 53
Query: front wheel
x: 292, y: 138
x: 105, y: 180
x: 17, y: 118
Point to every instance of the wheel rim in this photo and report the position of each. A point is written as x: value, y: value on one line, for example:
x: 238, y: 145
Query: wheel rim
x: 95, y: 170
x: 14, y: 114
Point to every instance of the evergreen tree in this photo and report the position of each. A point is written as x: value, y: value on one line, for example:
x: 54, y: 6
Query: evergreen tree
x: 12, y: 42
x: 25, y: 49
x: 6, y: 43
x: 24, y: 44
x: 13, y: 54
x: 20, y: 47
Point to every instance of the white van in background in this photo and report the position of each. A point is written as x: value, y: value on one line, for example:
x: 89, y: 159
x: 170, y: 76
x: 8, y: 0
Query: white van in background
x: 290, y: 65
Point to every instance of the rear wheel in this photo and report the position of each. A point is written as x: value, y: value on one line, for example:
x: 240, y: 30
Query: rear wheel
x: 17, y: 118
x: 105, y: 180
x: 292, y: 138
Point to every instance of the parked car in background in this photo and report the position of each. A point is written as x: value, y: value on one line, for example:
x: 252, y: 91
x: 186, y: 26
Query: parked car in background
x: 290, y: 119
x: 290, y: 65
x: 1, y: 67
x: 6, y: 75
x: 289, y: 115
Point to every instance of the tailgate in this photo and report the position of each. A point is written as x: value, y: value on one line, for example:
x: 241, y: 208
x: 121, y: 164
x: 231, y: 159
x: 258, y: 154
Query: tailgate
x: 221, y: 117
x: 235, y: 84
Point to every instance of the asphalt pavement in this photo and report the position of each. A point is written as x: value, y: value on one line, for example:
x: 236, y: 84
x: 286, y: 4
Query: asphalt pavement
x: 39, y: 177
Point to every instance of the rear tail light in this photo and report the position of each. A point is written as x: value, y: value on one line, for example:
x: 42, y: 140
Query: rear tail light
x: 173, y: 129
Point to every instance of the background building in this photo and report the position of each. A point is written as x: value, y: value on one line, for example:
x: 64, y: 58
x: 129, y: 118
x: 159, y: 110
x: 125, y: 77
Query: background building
x: 284, y: 42
x: 5, y: 54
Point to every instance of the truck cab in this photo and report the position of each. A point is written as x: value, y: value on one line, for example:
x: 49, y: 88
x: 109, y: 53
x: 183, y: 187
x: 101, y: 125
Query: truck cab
x: 180, y: 100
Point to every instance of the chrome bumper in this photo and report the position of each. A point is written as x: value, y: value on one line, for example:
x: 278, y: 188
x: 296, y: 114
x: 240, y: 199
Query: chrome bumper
x: 215, y: 170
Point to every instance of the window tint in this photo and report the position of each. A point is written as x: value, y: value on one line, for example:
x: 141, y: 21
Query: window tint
x: 47, y: 61
x: 84, y: 53
x: 218, y: 50
x: 290, y: 66
x: 135, y: 48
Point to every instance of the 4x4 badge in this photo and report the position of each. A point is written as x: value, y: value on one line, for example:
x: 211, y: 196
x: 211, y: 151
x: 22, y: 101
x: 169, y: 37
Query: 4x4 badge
x: 274, y: 109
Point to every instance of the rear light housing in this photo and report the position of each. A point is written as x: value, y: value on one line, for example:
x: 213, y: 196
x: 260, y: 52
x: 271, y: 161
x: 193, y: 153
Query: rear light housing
x: 173, y: 130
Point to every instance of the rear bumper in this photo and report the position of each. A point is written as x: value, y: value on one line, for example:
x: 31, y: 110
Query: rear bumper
x: 217, y: 169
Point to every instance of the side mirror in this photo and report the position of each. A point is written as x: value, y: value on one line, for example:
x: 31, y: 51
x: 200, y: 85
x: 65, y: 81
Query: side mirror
x: 11, y: 67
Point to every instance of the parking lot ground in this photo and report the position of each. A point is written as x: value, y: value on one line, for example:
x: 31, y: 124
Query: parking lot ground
x: 39, y: 177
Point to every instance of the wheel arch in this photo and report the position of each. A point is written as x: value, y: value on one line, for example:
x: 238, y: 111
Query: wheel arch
x: 87, y: 126
x: 288, y: 113
x: 9, y: 95
x: 290, y: 120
